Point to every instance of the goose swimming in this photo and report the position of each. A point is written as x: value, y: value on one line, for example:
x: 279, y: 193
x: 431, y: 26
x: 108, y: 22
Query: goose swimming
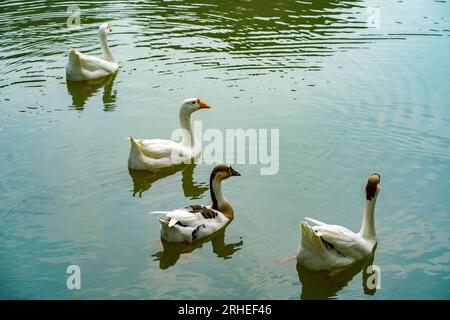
x: 153, y: 154
x: 198, y: 221
x: 82, y: 67
x: 327, y: 247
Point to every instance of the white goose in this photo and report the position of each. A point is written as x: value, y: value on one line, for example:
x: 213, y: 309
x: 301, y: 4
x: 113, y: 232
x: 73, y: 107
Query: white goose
x: 332, y: 247
x: 158, y: 153
x: 197, y: 221
x: 81, y: 67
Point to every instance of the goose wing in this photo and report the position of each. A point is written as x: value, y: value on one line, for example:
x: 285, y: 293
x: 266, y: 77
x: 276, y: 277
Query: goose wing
x: 191, y: 216
x: 157, y: 148
x: 340, y: 239
x: 94, y: 64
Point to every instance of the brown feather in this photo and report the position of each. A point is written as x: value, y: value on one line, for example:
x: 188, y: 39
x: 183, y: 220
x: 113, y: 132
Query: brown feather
x: 371, y: 187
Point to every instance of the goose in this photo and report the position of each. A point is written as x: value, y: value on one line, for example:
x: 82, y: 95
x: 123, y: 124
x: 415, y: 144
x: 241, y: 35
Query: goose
x: 81, y: 67
x: 156, y: 154
x: 332, y: 247
x: 197, y: 221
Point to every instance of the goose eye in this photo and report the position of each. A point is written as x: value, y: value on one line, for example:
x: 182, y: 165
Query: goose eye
x: 193, y: 102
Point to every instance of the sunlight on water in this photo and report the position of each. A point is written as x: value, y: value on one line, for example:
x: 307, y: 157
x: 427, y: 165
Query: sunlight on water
x: 347, y: 98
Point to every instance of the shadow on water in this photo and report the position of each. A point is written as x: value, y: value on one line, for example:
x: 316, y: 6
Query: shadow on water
x: 143, y: 180
x: 82, y: 91
x: 323, y: 285
x: 172, y: 252
x: 259, y: 34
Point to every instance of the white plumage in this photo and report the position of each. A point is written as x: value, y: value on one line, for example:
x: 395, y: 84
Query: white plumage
x: 82, y: 67
x: 153, y: 154
x: 327, y: 247
x: 183, y: 225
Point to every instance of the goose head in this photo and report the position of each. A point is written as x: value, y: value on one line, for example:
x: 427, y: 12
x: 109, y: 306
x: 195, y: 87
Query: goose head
x: 193, y: 104
x: 104, y: 28
x: 219, y: 173
x: 223, y: 172
x: 373, y: 186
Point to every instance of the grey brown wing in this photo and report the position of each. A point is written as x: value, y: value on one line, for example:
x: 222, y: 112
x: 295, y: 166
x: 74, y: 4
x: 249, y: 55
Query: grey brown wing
x: 206, y: 212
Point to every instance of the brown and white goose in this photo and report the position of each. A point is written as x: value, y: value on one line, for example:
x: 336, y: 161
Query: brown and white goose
x: 329, y: 247
x: 197, y: 221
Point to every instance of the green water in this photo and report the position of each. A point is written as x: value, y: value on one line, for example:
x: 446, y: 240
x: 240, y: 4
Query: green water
x: 348, y: 100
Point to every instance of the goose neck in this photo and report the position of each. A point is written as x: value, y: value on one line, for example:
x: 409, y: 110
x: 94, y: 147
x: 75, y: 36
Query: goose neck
x: 185, y: 124
x: 219, y: 202
x: 368, y: 224
x: 107, y: 55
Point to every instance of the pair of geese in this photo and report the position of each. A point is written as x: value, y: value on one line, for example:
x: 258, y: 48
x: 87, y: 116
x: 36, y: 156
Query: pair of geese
x: 323, y: 246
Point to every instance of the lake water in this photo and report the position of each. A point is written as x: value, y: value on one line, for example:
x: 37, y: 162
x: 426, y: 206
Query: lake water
x: 353, y: 89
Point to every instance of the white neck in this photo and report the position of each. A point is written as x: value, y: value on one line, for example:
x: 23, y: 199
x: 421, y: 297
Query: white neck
x: 185, y: 124
x: 105, y: 49
x: 368, y: 224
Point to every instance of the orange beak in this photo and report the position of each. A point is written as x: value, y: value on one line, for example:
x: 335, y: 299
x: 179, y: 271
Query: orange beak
x: 203, y: 105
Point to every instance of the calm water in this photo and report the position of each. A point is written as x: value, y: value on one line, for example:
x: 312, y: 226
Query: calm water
x: 348, y: 100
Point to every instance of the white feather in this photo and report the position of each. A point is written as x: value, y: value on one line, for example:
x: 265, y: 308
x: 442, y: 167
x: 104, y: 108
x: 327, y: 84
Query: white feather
x: 81, y: 67
x: 172, y: 222
x: 329, y: 247
x: 191, y: 226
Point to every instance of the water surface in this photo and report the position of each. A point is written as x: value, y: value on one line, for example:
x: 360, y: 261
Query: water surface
x: 348, y: 100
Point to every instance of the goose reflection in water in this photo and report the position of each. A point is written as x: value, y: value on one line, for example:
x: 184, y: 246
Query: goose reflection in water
x: 325, y: 285
x: 82, y: 91
x: 172, y: 251
x: 143, y: 180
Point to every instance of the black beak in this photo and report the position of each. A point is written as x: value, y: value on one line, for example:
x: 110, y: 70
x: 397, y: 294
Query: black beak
x: 377, y: 174
x: 234, y: 173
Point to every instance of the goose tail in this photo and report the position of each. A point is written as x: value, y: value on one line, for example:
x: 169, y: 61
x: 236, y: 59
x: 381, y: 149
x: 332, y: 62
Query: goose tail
x: 135, y: 157
x: 162, y: 216
x: 315, y: 222
x: 309, y: 237
x: 168, y: 223
x: 134, y: 146
x: 159, y: 214
x: 74, y: 58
